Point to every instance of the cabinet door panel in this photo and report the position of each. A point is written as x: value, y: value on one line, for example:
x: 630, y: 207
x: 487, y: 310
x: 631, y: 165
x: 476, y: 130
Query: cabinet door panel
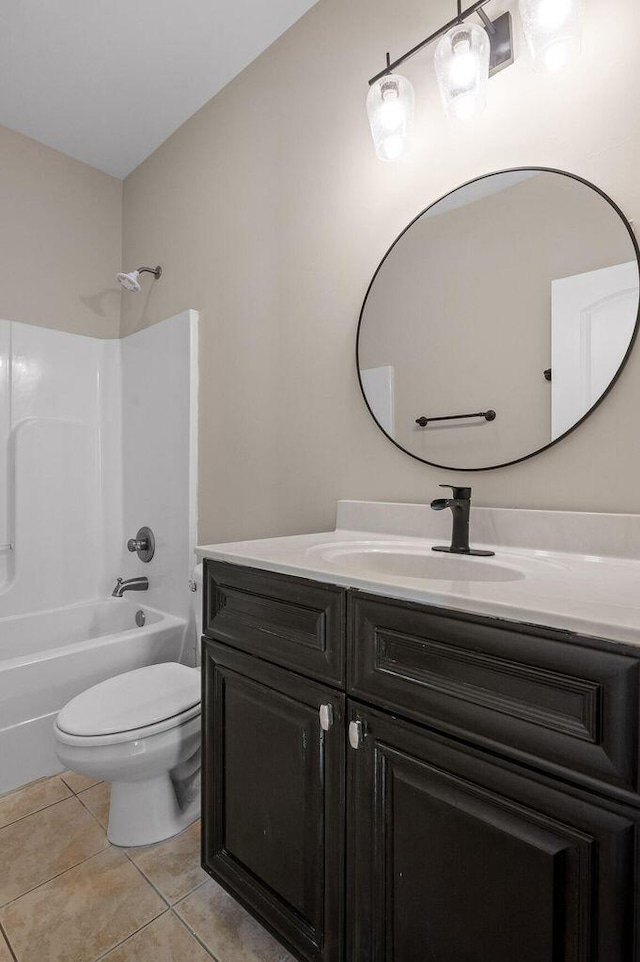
x: 290, y: 622
x: 455, y: 858
x: 539, y: 694
x: 273, y: 798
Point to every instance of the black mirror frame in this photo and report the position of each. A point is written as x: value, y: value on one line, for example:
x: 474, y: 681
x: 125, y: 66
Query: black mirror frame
x: 546, y: 447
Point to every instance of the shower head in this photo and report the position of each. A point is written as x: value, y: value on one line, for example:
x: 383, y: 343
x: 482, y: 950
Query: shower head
x: 131, y: 281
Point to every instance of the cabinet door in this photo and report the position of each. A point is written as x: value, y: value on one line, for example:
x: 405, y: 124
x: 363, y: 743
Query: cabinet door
x: 456, y: 857
x: 273, y: 798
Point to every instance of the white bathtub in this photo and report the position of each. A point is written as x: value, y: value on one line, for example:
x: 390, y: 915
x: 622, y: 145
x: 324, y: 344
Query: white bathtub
x: 48, y: 657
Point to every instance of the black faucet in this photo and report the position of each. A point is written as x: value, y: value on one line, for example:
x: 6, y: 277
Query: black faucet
x: 460, y: 505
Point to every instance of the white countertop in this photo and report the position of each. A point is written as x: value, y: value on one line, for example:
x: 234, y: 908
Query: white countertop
x: 593, y: 594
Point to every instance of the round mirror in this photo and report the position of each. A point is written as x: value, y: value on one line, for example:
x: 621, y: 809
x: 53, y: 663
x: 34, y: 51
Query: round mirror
x: 499, y: 319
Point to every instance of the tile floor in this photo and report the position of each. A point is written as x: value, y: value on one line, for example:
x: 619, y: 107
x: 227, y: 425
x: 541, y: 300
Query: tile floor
x: 68, y: 895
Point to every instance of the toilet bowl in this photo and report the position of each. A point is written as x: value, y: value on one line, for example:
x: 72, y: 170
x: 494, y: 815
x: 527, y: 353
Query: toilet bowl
x: 140, y: 731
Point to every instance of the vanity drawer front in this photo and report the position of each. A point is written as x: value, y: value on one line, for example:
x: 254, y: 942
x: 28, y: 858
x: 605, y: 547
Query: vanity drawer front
x: 291, y: 622
x: 571, y: 702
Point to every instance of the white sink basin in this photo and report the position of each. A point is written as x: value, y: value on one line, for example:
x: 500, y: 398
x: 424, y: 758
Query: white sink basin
x: 376, y: 559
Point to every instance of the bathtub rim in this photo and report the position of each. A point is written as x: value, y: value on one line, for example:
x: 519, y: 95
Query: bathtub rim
x: 165, y: 620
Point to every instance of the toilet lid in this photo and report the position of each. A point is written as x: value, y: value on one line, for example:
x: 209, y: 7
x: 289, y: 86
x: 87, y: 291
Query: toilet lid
x: 136, y: 699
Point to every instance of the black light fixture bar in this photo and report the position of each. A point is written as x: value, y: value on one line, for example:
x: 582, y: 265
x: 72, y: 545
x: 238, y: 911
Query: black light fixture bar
x: 488, y: 25
x: 460, y: 18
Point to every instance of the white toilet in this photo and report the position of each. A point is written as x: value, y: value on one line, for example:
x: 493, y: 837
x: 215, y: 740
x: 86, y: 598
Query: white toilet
x: 141, y: 732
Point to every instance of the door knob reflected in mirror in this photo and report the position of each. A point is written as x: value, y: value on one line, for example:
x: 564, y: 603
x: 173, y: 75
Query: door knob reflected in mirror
x: 144, y: 544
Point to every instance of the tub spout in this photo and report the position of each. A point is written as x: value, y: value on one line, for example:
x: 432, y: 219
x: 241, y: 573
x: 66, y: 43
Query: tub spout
x: 131, y: 584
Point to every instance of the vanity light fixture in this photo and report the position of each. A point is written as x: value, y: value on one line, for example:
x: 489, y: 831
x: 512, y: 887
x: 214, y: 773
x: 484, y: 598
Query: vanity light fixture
x: 553, y: 31
x: 466, y: 56
x: 390, y: 107
x: 462, y: 69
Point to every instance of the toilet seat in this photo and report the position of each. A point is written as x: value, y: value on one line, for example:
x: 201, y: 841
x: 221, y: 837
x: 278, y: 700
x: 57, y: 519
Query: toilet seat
x: 133, y: 735
x: 134, y: 705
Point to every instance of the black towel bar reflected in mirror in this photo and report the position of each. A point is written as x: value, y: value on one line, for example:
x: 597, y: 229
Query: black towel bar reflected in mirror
x: 487, y: 415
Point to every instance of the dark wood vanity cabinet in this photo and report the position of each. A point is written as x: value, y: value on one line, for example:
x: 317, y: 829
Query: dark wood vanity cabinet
x: 465, y: 791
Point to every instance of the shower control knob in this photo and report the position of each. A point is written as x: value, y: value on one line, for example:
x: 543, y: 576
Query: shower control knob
x: 144, y: 544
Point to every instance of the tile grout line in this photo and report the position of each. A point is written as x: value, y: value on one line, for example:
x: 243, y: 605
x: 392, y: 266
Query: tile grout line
x: 53, y: 877
x: 36, y: 811
x: 195, y: 934
x: 150, y: 881
x: 92, y: 814
x: 167, y: 905
x: 167, y: 911
x: 3, y: 932
x: 46, y: 808
x: 191, y: 932
x: 153, y: 885
x: 170, y: 907
x: 85, y: 789
x: 183, y: 898
x: 34, y: 781
x: 147, y: 880
x: 130, y: 936
x: 125, y: 851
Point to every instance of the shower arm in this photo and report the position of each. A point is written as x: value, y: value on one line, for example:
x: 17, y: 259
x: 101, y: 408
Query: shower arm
x: 156, y: 271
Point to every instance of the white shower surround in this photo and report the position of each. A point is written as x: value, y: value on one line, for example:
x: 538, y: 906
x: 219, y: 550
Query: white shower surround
x: 96, y: 439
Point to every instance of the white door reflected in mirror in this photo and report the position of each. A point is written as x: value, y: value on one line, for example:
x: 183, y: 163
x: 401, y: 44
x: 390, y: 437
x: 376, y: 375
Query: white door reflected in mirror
x: 593, y: 319
x: 378, y: 383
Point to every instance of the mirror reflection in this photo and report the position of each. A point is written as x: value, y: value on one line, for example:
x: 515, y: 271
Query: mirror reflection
x: 499, y: 319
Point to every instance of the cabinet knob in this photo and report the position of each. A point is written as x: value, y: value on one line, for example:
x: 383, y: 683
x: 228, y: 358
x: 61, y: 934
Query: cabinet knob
x: 326, y: 717
x: 356, y: 734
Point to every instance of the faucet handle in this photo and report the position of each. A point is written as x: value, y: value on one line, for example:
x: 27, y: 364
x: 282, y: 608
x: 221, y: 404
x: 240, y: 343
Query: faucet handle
x: 459, y: 494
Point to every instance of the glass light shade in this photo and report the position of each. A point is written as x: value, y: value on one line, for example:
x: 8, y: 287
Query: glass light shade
x: 553, y: 30
x: 462, y: 69
x: 390, y: 108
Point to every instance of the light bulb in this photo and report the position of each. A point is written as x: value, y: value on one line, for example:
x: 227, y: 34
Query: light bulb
x: 552, y: 13
x: 393, y: 146
x: 464, y: 107
x: 553, y: 31
x: 390, y: 107
x: 462, y: 69
x: 556, y: 56
x: 391, y: 112
x: 464, y: 66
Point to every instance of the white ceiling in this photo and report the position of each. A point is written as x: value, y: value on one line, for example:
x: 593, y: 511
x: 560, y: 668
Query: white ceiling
x: 107, y: 81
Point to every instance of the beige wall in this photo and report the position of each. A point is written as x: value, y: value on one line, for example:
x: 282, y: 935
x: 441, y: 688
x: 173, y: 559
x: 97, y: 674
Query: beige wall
x: 60, y: 240
x: 269, y: 212
x: 461, y: 309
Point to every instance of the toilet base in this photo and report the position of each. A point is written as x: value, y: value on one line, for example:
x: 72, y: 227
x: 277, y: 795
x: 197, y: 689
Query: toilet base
x: 148, y: 811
